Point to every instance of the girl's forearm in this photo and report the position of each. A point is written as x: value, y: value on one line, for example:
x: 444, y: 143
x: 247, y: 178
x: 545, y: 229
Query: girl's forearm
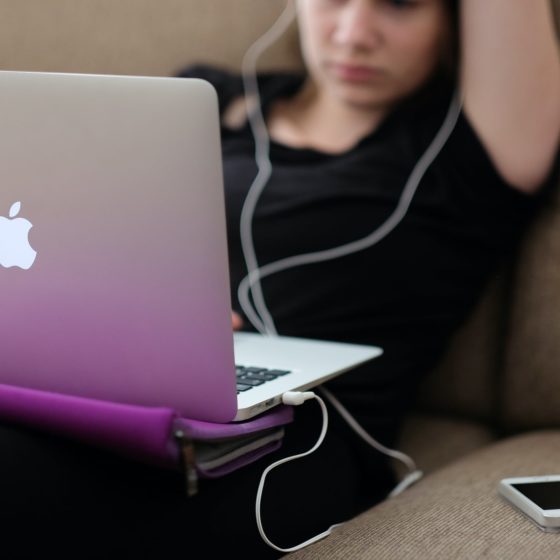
x: 511, y: 80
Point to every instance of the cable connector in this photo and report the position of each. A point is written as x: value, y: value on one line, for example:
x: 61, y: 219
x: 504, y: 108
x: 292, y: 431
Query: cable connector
x: 295, y: 398
x: 407, y: 481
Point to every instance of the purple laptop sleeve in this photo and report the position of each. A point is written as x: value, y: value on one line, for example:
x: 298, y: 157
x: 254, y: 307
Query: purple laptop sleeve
x: 142, y: 433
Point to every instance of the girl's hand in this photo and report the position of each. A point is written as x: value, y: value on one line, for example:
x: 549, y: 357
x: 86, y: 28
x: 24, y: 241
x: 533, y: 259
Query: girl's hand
x: 236, y: 321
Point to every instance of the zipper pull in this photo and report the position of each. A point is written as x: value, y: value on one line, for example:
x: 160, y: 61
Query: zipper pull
x: 189, y: 463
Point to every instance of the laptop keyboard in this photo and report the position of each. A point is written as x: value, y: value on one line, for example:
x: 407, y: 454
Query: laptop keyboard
x: 249, y: 377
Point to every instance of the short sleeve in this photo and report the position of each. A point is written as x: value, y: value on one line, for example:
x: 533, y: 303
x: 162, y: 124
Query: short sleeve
x: 466, y: 154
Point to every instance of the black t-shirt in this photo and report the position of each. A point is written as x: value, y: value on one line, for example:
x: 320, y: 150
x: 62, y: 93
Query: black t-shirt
x: 407, y: 293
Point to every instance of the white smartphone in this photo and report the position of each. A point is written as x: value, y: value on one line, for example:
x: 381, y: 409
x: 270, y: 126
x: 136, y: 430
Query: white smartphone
x: 538, y: 497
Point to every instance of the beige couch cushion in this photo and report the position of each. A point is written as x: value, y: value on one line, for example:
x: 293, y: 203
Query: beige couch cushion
x: 454, y: 513
x: 136, y: 36
x: 531, y: 383
x: 433, y: 441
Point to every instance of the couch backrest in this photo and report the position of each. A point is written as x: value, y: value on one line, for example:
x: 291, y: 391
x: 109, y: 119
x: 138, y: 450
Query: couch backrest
x: 531, y: 376
x: 145, y: 37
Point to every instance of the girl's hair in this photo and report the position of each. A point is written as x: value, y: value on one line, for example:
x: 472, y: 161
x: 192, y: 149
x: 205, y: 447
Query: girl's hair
x: 450, y: 60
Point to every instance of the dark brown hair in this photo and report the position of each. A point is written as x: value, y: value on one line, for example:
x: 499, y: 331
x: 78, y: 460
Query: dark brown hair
x: 450, y: 61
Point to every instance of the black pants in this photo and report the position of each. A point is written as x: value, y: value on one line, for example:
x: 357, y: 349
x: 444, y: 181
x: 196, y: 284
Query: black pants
x: 60, y: 497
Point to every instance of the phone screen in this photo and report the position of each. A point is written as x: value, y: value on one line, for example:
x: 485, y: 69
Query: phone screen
x: 545, y: 494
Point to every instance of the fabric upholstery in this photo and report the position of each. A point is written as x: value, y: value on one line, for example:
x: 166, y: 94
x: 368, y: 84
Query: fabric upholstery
x: 454, y: 513
x: 136, y: 36
x: 531, y: 379
x: 433, y: 441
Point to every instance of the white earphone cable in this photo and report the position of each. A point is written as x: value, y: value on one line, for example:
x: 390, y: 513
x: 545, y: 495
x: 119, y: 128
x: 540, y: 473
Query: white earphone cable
x: 260, y: 316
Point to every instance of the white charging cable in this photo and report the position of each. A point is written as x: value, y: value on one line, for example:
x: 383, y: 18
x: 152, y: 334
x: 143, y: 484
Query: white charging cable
x: 294, y: 398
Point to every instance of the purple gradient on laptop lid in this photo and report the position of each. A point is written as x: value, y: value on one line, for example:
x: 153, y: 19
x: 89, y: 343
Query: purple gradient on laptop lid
x: 128, y: 297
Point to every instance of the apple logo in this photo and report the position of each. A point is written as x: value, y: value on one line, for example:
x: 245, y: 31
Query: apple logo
x: 15, y: 249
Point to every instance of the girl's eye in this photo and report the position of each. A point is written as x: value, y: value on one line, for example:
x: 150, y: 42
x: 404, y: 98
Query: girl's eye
x: 395, y: 4
x: 401, y: 3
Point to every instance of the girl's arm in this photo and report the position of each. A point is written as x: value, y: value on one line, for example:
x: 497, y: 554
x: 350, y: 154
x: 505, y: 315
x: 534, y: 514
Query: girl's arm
x: 511, y: 84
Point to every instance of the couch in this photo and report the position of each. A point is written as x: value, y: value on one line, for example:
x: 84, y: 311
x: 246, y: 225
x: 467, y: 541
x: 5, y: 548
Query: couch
x: 491, y: 409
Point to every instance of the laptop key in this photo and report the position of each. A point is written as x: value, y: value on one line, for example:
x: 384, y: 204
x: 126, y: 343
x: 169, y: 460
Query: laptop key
x: 254, y: 369
x: 277, y: 372
x: 250, y: 381
x: 264, y: 375
x: 251, y: 376
x: 242, y: 387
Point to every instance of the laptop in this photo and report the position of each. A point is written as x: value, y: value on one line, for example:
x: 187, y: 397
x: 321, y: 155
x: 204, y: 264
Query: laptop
x: 113, y: 252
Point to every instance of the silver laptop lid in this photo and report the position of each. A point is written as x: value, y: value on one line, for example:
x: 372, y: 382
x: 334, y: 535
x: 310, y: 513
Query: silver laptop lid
x: 127, y: 297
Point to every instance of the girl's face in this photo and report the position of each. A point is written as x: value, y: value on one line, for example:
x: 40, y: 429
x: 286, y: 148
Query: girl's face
x: 372, y: 53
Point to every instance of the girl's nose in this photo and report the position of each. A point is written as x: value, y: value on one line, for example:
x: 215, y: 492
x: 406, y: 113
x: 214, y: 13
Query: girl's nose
x: 357, y: 25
